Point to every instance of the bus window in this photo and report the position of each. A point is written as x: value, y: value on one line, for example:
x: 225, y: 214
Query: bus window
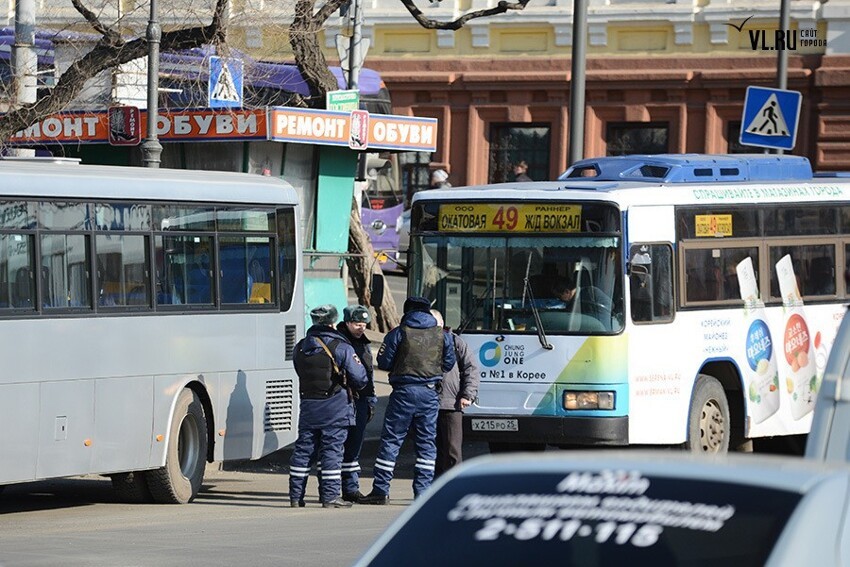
x: 382, y: 206
x: 814, y: 267
x: 122, y: 270
x: 16, y: 261
x: 651, y: 283
x: 245, y: 269
x: 184, y: 272
x: 497, y: 283
x: 710, y: 273
x: 65, y: 270
x: 287, y: 257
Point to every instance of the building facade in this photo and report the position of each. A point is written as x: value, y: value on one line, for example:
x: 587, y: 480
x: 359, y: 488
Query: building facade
x: 661, y: 77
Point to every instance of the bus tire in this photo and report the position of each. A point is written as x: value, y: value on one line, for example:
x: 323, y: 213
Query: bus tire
x: 179, y: 481
x: 132, y: 487
x: 708, y: 418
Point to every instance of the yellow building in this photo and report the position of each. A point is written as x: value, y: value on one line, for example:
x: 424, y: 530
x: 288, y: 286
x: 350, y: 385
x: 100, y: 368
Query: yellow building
x: 661, y: 77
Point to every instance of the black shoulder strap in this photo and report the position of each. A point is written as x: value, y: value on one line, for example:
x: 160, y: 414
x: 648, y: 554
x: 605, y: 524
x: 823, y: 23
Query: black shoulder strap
x: 330, y: 354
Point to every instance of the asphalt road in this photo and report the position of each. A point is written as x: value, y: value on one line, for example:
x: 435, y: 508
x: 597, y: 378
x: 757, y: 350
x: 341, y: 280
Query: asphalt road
x: 239, y: 518
x: 242, y: 516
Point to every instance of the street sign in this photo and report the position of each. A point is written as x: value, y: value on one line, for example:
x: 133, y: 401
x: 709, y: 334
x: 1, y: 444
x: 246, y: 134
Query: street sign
x: 771, y: 118
x: 125, y: 126
x: 343, y: 100
x: 226, y: 82
x: 343, y: 45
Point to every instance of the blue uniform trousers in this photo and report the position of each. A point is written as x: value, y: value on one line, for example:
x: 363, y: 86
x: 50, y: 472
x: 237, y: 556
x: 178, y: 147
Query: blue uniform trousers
x: 327, y: 443
x: 409, y: 404
x: 353, y: 445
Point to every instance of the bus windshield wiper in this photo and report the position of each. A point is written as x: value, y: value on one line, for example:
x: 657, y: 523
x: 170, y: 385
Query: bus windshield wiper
x: 491, y: 285
x: 526, y: 291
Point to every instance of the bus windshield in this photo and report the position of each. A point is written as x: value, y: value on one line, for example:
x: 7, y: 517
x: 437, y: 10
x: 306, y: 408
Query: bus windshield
x: 496, y: 283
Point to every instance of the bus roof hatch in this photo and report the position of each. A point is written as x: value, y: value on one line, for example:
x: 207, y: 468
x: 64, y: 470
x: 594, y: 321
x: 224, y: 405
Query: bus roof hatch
x: 691, y: 168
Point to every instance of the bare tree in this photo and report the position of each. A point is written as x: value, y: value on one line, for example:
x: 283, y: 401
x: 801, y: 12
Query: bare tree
x: 304, y: 40
x: 110, y: 51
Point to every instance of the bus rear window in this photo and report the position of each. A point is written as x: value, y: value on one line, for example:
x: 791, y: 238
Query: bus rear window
x: 570, y: 519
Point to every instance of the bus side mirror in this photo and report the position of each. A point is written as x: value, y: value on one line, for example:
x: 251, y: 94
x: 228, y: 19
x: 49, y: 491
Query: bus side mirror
x: 376, y: 290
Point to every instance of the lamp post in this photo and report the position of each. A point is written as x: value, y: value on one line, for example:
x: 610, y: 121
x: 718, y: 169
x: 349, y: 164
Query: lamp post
x: 151, y: 148
x: 355, y: 57
x: 577, y: 81
x: 24, y: 60
x: 782, y: 54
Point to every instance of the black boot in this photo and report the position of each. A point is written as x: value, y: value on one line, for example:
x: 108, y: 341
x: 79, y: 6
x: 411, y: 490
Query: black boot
x: 296, y: 504
x: 352, y: 496
x: 336, y: 503
x: 375, y: 498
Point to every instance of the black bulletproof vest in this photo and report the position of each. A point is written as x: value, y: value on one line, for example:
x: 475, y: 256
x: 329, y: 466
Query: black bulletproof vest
x: 420, y: 353
x: 316, y: 377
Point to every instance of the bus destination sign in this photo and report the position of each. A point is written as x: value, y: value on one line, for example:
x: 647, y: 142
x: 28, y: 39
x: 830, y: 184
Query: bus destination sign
x: 713, y: 225
x: 509, y: 217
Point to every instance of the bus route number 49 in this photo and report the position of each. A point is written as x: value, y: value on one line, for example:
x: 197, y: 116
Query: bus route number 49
x: 495, y: 425
x: 506, y: 219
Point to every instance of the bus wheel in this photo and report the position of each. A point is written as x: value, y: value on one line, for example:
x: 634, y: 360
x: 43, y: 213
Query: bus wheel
x: 708, y: 422
x: 179, y: 481
x: 132, y: 487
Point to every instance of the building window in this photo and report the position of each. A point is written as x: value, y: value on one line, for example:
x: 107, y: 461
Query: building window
x: 625, y: 138
x: 415, y: 173
x: 733, y: 134
x: 513, y: 143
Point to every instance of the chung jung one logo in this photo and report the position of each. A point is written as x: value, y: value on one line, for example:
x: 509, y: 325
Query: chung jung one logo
x: 490, y: 354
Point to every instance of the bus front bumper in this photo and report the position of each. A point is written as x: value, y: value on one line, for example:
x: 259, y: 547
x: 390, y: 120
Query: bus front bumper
x: 534, y: 429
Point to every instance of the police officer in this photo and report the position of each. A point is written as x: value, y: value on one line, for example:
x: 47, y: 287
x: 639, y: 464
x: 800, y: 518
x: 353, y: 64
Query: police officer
x: 416, y: 354
x: 353, y: 327
x: 329, y: 371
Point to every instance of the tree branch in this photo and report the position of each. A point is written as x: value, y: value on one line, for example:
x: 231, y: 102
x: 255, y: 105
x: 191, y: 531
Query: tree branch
x: 304, y: 40
x: 502, y: 7
x: 105, y: 55
x: 327, y: 11
x: 112, y: 36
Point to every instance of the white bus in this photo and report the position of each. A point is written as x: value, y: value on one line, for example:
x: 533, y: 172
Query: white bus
x: 708, y: 291
x: 147, y: 321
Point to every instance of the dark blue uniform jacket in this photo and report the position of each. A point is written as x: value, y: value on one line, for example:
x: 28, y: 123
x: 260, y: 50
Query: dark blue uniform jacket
x: 335, y: 411
x: 387, y: 353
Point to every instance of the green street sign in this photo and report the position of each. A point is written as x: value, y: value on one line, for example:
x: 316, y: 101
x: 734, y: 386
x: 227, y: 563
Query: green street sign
x: 343, y: 100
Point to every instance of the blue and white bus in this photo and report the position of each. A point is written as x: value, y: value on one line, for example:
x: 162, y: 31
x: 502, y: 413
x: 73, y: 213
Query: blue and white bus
x: 708, y: 291
x: 147, y: 319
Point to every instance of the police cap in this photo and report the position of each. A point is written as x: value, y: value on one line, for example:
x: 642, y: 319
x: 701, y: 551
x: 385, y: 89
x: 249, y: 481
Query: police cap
x: 356, y: 314
x: 417, y: 304
x: 324, y: 315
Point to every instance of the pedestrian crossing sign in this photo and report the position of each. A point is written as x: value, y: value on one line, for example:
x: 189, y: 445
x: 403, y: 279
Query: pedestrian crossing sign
x: 225, y: 85
x: 771, y: 117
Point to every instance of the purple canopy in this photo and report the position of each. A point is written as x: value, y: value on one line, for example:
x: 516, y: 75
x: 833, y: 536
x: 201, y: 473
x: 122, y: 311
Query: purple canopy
x: 193, y: 64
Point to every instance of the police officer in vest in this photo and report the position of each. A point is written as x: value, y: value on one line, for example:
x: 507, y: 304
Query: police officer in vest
x: 353, y: 327
x: 416, y: 354
x: 329, y: 372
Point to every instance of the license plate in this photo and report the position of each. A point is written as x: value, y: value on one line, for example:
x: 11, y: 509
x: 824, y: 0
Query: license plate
x: 495, y: 425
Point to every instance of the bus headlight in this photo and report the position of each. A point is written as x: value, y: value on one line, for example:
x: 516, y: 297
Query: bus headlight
x: 588, y: 400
